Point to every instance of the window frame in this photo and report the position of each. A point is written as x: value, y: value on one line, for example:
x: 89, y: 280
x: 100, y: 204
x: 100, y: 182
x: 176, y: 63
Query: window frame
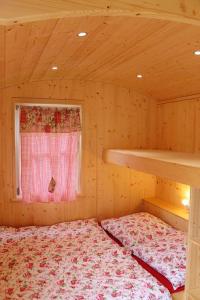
x: 17, y: 196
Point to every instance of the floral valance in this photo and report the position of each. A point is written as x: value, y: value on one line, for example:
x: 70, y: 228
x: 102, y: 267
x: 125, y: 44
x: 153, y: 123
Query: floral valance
x: 49, y: 119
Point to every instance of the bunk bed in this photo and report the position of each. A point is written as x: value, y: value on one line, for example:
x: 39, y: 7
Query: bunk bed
x: 180, y: 167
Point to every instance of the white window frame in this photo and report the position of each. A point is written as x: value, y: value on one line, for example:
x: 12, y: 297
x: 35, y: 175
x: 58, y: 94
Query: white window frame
x: 18, y: 192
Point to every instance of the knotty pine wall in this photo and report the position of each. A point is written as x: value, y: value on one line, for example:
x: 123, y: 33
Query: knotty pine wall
x: 178, y: 124
x: 112, y: 117
x: 171, y: 191
x: 2, y: 56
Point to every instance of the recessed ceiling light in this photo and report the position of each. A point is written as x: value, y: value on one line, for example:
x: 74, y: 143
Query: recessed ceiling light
x: 139, y: 76
x: 197, y: 52
x: 82, y: 34
x: 54, y: 68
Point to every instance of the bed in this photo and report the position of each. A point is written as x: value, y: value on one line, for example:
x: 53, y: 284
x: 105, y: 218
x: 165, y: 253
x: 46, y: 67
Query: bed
x: 158, y: 247
x: 72, y: 261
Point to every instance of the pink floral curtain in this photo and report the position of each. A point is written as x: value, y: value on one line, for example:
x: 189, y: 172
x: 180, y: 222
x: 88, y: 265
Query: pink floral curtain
x: 49, y: 154
x: 49, y: 119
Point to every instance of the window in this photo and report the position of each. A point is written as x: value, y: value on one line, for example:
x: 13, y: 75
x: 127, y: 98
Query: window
x: 47, y: 152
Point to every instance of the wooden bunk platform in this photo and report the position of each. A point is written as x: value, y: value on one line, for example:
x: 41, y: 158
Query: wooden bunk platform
x: 176, y: 166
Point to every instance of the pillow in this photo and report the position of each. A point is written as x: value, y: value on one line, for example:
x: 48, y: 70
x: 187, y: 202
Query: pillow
x: 137, y: 228
x: 153, y: 241
x: 69, y: 229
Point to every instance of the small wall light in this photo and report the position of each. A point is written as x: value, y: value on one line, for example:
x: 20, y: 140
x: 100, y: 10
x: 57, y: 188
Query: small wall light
x: 186, y: 203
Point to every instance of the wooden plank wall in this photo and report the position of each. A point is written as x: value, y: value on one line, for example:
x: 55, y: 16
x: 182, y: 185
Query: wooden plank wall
x: 170, y: 191
x: 2, y: 56
x: 112, y: 117
x: 2, y: 82
x: 177, y: 129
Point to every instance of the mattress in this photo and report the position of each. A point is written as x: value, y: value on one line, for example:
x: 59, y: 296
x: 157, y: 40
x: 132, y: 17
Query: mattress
x: 154, y: 242
x: 72, y: 261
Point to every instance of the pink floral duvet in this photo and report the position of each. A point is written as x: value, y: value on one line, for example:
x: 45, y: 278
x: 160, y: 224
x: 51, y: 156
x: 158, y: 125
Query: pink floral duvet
x: 155, y: 242
x: 71, y: 261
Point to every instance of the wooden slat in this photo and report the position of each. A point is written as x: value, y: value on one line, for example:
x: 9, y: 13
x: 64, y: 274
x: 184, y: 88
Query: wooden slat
x: 179, y: 118
x: 29, y: 10
x: 181, y: 167
x: 24, y: 46
x: 2, y: 56
x: 67, y: 51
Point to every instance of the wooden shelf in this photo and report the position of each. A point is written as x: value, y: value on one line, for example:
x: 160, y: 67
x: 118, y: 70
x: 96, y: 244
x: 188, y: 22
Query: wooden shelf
x: 169, y: 207
x: 176, y: 166
x: 172, y: 214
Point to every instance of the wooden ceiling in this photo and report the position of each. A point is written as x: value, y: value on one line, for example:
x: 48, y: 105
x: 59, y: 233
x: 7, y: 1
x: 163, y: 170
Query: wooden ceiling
x: 115, y: 50
x: 30, y: 10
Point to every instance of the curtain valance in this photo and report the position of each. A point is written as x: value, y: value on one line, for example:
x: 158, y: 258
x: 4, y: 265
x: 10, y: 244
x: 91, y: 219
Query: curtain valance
x: 49, y: 119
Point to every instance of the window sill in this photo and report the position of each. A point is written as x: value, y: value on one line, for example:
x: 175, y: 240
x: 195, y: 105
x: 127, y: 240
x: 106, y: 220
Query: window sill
x: 19, y: 200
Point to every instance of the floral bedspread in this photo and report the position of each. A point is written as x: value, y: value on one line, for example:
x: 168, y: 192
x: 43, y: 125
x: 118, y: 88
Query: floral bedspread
x: 155, y: 242
x: 71, y: 261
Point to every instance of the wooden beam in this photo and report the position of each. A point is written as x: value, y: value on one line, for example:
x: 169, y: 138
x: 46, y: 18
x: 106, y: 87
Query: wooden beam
x: 187, y: 11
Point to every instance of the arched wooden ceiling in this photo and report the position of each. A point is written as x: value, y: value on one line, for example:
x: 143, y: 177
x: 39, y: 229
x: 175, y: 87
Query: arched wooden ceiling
x: 29, y: 10
x: 115, y: 50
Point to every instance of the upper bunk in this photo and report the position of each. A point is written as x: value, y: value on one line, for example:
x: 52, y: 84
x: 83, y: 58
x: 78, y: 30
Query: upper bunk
x: 176, y: 166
